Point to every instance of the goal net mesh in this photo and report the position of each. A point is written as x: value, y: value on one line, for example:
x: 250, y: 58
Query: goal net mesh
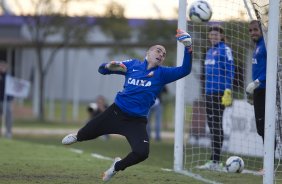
x: 240, y: 134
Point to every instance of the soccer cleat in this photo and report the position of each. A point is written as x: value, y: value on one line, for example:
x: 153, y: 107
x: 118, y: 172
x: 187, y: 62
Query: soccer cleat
x: 69, y: 139
x: 108, y: 174
x: 211, y: 165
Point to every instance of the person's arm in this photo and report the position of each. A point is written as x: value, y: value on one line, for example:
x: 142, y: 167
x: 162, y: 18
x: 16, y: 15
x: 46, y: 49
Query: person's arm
x: 229, y: 70
x: 262, y: 77
x: 170, y: 74
x: 113, y: 67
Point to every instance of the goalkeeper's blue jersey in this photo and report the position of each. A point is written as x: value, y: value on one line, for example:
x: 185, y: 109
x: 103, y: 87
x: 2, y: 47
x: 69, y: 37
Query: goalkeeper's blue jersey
x: 259, y: 63
x: 142, y: 86
x: 219, y: 69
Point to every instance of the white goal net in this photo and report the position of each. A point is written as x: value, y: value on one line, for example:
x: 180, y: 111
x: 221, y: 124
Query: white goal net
x: 240, y: 135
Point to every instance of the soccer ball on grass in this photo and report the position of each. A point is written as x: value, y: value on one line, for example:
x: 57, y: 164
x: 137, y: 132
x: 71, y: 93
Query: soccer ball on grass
x: 200, y: 11
x: 234, y: 164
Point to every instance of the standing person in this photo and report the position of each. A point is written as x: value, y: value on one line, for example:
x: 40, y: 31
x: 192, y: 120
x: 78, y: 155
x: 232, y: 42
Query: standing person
x: 157, y: 111
x: 219, y: 74
x: 7, y: 111
x: 256, y: 89
x: 127, y: 116
x: 96, y: 108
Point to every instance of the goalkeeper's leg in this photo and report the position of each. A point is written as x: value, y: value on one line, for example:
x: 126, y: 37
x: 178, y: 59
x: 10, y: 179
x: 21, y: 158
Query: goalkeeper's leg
x: 114, y: 121
x: 105, y: 123
x: 259, y: 106
x: 134, y: 129
x: 215, y: 112
x: 102, y: 124
x: 136, y: 135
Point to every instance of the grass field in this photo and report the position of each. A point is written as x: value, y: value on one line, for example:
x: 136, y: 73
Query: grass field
x: 42, y: 159
x: 32, y: 162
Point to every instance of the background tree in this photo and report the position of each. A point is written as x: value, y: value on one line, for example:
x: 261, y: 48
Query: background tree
x: 160, y: 32
x: 50, y: 20
x: 115, y: 26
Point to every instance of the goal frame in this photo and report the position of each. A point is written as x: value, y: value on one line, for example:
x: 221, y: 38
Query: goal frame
x: 270, y: 110
x: 271, y: 77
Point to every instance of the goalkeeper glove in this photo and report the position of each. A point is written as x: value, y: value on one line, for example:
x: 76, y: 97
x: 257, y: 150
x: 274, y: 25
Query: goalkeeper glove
x: 116, y: 66
x: 252, y: 86
x: 184, y: 37
x: 226, y: 99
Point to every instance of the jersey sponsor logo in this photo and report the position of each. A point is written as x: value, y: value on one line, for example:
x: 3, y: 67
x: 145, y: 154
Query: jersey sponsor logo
x: 135, y: 70
x: 139, y: 82
x: 254, y: 61
x: 209, y: 62
x: 229, y: 53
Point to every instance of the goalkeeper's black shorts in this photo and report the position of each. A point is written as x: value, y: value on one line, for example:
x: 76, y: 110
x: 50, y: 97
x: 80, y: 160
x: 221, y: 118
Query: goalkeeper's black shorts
x: 114, y: 121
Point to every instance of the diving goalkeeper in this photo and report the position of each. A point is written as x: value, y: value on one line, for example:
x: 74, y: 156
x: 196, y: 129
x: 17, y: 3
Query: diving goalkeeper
x: 127, y: 116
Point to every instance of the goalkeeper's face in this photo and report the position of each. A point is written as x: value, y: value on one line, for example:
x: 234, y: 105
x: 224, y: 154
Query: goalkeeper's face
x: 255, y: 31
x: 215, y: 37
x: 156, y: 55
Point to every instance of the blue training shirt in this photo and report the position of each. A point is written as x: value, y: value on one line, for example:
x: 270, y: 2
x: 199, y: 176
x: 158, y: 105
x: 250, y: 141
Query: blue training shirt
x: 259, y: 63
x: 219, y: 69
x: 142, y: 86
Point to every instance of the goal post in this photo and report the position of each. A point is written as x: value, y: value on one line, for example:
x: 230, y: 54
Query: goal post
x: 179, y: 103
x: 270, y: 102
x: 240, y: 134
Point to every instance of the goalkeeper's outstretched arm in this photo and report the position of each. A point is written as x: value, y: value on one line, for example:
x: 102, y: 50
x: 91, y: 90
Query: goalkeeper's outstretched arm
x: 171, y: 74
x: 113, y: 67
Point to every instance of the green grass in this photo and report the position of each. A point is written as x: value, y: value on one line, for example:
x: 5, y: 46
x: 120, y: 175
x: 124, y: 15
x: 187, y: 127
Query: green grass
x: 38, y: 160
x: 82, y: 110
x: 35, y: 124
x: 42, y: 159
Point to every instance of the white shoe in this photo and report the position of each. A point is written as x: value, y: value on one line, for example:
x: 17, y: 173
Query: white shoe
x: 69, y: 139
x: 108, y: 174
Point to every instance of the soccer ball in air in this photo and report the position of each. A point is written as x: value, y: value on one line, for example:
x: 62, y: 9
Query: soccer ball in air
x: 200, y: 11
x: 234, y: 164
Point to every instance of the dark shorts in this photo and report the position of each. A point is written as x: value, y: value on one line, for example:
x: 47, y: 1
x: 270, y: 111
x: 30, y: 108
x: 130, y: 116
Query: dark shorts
x: 114, y: 121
